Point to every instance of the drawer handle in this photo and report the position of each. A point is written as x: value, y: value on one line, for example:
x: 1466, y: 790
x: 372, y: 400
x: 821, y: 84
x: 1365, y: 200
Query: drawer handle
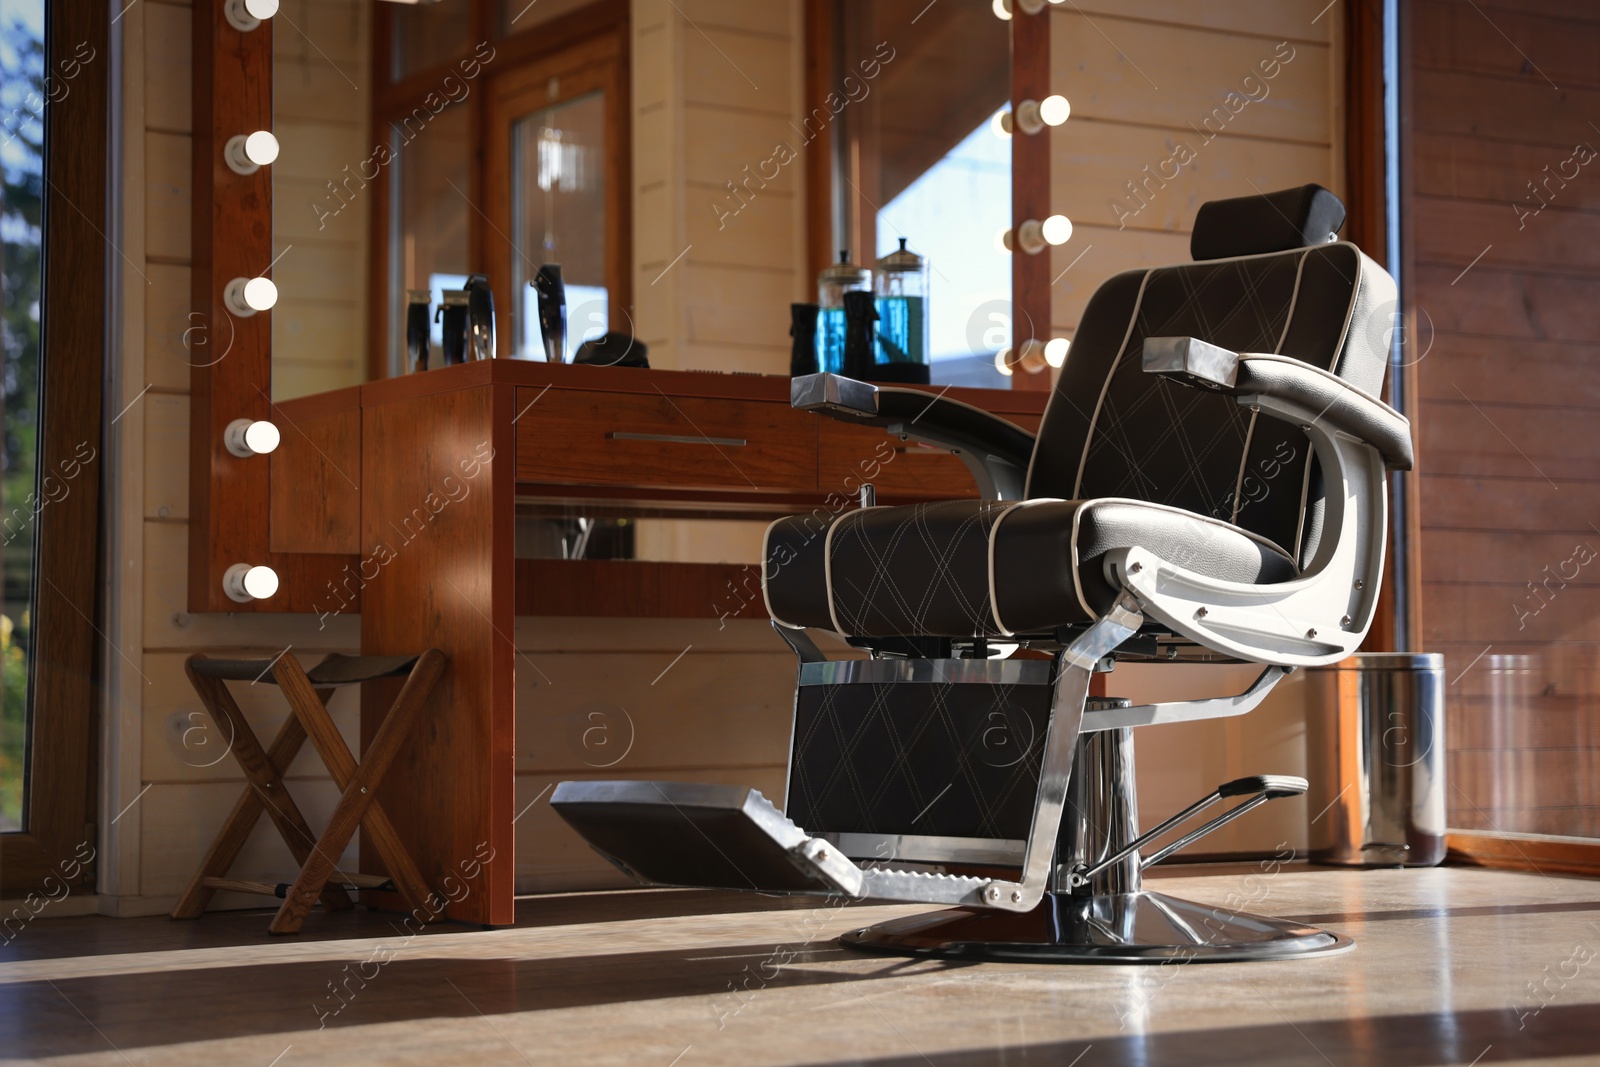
x: 676, y: 439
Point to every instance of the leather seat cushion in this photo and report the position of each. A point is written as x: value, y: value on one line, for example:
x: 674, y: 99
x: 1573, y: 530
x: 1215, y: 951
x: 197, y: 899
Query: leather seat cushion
x: 962, y: 568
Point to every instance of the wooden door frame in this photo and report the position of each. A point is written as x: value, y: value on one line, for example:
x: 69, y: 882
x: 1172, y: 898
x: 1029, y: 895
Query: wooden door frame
x: 59, y: 839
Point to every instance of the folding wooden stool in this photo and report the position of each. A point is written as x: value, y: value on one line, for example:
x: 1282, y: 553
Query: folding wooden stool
x: 307, y: 693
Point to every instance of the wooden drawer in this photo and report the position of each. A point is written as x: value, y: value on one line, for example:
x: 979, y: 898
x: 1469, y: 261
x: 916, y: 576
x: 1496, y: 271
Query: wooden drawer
x: 602, y: 438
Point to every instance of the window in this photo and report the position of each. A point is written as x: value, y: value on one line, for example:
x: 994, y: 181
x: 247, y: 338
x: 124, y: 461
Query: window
x: 22, y: 98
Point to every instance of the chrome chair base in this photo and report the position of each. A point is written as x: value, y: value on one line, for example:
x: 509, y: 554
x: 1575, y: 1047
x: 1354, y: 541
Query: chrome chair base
x: 1124, y: 928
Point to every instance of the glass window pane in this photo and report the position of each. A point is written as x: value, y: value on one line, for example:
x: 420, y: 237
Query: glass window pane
x: 558, y: 216
x: 430, y: 218
x: 22, y: 96
x: 428, y: 34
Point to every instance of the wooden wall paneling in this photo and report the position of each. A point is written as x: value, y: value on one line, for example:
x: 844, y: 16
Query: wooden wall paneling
x: 231, y: 235
x: 450, y: 586
x: 1030, y: 190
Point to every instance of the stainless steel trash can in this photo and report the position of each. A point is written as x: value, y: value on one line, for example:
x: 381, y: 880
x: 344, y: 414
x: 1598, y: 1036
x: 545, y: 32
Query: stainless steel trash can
x: 1375, y: 758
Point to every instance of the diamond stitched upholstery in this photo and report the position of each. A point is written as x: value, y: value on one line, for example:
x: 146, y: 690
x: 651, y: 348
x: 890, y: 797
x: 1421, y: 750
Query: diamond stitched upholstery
x: 923, y: 570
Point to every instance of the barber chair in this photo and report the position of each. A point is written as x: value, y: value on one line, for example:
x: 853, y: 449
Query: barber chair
x: 1207, y: 485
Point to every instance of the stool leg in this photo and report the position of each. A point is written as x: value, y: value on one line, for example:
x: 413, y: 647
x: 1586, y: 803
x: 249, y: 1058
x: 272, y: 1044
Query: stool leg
x: 358, y: 805
x: 265, y: 792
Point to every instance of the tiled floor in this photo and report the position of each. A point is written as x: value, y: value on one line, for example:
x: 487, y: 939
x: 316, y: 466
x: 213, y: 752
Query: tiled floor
x: 1445, y: 971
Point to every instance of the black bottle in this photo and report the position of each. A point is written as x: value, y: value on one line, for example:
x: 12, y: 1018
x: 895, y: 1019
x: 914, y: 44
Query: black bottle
x: 803, y: 328
x: 417, y: 327
x: 860, y: 335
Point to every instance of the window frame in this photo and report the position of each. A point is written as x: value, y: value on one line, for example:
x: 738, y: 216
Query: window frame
x: 59, y: 838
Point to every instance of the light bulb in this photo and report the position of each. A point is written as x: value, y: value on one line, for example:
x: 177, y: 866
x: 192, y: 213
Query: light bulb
x: 248, y: 154
x: 250, y: 437
x: 1055, y: 351
x: 1056, y: 230
x: 1002, y: 361
x: 246, y: 296
x: 1000, y: 123
x: 1035, y: 115
x: 246, y: 15
x: 1054, y: 110
x: 1003, y: 241
x: 1002, y: 10
x: 244, y: 583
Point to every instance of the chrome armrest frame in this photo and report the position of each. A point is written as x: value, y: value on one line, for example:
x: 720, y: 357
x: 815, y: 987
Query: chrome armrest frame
x: 1318, y: 618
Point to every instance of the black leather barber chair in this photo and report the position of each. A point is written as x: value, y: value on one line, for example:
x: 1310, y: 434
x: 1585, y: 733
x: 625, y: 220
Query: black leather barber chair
x: 1207, y: 485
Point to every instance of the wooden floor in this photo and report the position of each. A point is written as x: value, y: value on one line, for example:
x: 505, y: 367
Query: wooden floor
x: 1444, y: 972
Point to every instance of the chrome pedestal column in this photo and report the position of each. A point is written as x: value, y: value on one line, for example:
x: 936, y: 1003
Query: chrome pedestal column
x: 1111, y: 918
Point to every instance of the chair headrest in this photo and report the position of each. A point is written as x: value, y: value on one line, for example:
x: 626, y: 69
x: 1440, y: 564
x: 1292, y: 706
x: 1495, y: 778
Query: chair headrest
x: 1271, y: 222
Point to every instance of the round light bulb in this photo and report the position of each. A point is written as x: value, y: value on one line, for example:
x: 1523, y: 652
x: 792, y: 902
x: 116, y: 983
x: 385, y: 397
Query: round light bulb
x: 1002, y: 242
x: 1002, y: 10
x: 261, y: 582
x: 261, y: 294
x: 246, y: 15
x: 261, y: 147
x: 246, y: 296
x: 244, y: 583
x: 262, y: 437
x: 1000, y: 123
x: 1056, y: 230
x: 250, y: 437
x: 1055, y: 351
x: 248, y: 154
x: 1054, y: 110
x: 1002, y: 361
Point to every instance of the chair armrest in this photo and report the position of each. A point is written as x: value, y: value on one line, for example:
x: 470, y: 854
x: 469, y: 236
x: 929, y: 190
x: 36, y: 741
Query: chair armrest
x: 1342, y: 406
x: 995, y: 450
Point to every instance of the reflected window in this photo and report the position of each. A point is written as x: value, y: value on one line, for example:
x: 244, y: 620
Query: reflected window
x: 915, y: 156
x: 558, y: 213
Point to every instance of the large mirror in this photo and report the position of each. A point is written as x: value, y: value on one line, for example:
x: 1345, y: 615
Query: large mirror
x: 415, y: 151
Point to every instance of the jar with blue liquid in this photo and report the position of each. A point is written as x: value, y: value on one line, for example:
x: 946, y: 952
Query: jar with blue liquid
x: 841, y: 278
x: 901, y: 352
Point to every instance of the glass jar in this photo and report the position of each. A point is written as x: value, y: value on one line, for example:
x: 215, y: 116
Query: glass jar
x: 841, y: 278
x: 901, y: 352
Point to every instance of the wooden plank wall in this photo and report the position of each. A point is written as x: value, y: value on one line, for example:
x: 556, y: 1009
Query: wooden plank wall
x: 1143, y: 77
x: 1505, y: 277
x: 717, y: 86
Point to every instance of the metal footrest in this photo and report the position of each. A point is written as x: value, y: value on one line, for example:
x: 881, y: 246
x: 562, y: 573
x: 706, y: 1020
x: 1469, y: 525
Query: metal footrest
x: 709, y: 836
x: 731, y: 837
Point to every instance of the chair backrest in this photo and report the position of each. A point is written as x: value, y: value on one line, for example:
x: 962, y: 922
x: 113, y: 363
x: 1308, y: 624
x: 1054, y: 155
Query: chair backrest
x: 1111, y: 430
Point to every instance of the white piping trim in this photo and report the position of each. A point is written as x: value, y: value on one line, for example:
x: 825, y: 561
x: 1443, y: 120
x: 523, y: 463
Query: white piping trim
x: 766, y: 536
x: 1305, y: 493
x: 827, y: 569
x: 1105, y: 386
x: 994, y: 598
